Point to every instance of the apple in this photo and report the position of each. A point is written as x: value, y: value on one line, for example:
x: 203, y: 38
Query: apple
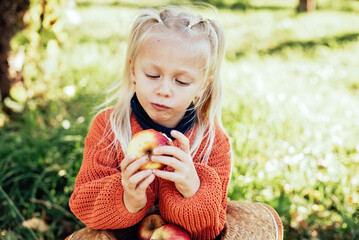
x: 170, y: 232
x: 143, y: 143
x: 148, y: 225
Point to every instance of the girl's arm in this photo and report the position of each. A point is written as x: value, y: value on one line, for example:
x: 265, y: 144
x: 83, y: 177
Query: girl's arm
x: 202, y: 215
x: 97, y: 199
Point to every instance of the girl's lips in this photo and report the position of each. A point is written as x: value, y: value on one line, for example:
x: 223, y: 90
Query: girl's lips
x: 159, y: 106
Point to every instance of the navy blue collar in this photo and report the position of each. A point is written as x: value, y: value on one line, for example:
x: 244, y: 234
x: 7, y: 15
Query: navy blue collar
x: 147, y: 123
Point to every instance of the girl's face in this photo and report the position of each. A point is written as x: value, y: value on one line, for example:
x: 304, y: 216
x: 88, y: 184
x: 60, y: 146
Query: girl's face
x: 168, y: 77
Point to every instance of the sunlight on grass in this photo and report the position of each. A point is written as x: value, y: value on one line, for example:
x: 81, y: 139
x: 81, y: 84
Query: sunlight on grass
x: 285, y: 28
x: 294, y: 134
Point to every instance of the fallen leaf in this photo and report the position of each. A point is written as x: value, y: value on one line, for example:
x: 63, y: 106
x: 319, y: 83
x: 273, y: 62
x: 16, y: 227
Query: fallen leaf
x: 36, y: 224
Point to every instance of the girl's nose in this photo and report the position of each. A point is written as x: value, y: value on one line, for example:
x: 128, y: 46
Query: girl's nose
x: 164, y: 88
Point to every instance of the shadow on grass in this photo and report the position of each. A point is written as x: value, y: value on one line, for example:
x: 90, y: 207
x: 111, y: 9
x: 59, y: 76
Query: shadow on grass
x: 238, y: 5
x: 326, y: 41
x: 218, y: 4
x: 332, y: 42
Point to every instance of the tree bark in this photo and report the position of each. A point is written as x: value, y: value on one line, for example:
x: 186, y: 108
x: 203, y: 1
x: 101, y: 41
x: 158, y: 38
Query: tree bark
x: 306, y: 5
x: 11, y: 15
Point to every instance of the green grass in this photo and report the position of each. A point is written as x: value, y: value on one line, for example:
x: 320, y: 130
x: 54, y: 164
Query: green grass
x: 297, y: 149
x: 290, y: 108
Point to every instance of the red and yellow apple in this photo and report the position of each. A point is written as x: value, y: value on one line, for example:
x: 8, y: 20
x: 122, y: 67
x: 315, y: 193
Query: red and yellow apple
x: 170, y: 232
x: 148, y: 225
x: 143, y: 143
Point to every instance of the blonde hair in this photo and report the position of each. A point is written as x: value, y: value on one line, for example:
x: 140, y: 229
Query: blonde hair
x: 208, y: 106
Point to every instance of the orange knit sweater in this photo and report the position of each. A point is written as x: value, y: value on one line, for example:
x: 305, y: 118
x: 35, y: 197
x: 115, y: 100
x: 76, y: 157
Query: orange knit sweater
x: 97, y: 199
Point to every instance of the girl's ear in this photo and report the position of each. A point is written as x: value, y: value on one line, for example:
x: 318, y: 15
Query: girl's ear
x: 201, y: 91
x: 132, y: 70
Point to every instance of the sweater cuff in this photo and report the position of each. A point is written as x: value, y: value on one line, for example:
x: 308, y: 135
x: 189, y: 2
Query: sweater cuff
x: 210, y: 187
x: 198, y: 212
x: 127, y: 218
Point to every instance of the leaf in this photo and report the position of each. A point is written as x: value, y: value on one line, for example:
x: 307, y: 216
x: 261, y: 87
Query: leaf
x: 36, y: 224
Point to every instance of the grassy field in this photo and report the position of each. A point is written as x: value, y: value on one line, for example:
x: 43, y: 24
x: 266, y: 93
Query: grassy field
x: 291, y: 108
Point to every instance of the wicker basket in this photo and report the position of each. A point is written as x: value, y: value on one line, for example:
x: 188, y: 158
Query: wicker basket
x: 251, y: 221
x: 247, y: 221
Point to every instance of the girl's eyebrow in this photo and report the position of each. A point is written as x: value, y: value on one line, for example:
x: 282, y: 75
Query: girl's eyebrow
x: 180, y: 70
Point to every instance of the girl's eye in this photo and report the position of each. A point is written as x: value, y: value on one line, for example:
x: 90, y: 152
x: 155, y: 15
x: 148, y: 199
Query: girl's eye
x: 182, y: 83
x: 152, y: 76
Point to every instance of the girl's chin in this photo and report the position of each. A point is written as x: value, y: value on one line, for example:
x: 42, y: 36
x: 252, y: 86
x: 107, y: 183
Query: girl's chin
x: 162, y: 121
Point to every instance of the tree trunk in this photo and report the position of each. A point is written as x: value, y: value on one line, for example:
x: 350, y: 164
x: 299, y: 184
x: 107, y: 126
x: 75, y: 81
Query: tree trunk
x: 11, y: 15
x: 306, y: 5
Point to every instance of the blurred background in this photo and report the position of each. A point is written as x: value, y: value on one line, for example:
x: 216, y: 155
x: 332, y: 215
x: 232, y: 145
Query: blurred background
x: 291, y: 107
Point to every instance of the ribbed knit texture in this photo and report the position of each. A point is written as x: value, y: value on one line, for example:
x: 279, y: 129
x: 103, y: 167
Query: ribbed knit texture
x: 97, y: 199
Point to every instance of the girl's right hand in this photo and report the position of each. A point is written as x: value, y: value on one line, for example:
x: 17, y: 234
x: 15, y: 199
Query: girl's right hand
x: 135, y: 183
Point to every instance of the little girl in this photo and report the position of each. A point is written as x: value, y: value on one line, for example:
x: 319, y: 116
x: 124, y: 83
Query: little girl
x: 172, y: 84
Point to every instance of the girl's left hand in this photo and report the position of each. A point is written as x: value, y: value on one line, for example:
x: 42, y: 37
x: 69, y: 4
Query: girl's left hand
x: 184, y: 175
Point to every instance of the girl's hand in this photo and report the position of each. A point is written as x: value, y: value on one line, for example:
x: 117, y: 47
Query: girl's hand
x: 135, y: 183
x: 185, y: 175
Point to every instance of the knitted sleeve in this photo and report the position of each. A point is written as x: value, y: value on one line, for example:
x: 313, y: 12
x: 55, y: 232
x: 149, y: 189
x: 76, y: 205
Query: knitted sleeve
x: 97, y: 199
x: 204, y: 214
